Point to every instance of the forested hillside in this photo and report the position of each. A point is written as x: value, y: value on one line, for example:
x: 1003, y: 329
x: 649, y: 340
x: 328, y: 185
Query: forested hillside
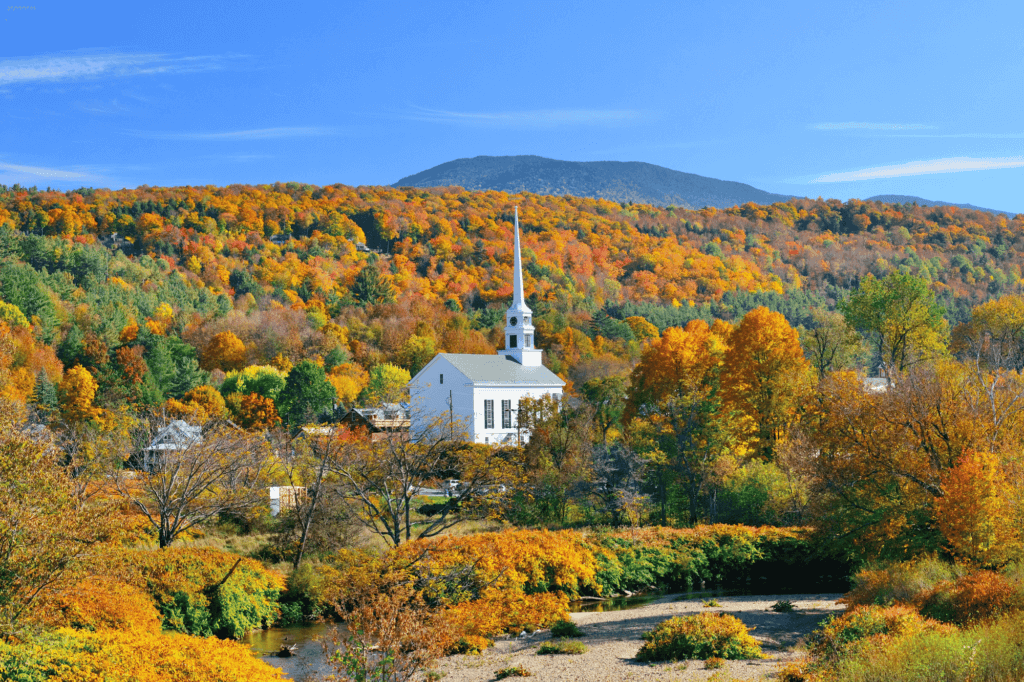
x: 279, y: 269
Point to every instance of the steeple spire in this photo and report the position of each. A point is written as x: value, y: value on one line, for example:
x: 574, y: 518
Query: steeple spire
x: 519, y: 330
x: 518, y: 298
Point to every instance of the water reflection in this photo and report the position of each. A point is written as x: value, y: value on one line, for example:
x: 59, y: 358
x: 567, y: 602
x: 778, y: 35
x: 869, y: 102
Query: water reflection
x: 308, y: 663
x: 615, y: 604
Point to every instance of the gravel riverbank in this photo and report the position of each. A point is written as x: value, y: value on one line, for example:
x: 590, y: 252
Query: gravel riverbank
x: 613, y: 638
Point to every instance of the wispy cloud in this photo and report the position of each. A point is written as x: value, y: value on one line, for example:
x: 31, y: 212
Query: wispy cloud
x: 982, y: 136
x: 239, y: 135
x: 958, y: 164
x: 538, y: 118
x: 92, y: 64
x: 860, y: 125
x: 10, y: 169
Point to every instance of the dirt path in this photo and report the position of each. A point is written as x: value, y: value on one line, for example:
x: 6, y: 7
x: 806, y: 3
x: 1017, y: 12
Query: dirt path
x: 613, y: 639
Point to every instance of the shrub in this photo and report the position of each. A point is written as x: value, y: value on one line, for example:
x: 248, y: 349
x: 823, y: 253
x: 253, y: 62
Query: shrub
x: 714, y: 663
x: 527, y: 561
x: 566, y: 628
x: 793, y: 672
x: 700, y: 636
x: 907, y: 582
x: 711, y: 603
x: 104, y: 604
x: 783, y: 606
x: 472, y: 644
x: 111, y: 656
x: 517, y: 671
x: 507, y: 613
x: 838, y: 635
x: 304, y: 598
x: 562, y: 647
x: 989, y: 652
x: 683, y: 558
x: 205, y: 592
x: 974, y: 598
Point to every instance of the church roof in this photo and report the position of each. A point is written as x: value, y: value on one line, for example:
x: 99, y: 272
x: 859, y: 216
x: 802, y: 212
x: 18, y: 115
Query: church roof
x: 498, y: 369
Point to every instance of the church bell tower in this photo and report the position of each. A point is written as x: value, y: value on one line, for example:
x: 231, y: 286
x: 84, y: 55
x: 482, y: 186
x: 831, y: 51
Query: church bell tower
x: 519, y: 332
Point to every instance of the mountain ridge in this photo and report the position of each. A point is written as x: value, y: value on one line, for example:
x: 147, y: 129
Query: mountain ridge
x: 621, y: 181
x: 906, y: 199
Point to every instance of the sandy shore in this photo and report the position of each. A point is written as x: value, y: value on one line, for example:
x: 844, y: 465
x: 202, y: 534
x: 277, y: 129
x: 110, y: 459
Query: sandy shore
x: 613, y: 638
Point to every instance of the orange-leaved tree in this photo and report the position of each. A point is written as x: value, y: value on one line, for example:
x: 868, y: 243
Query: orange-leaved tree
x: 225, y: 351
x: 975, y: 512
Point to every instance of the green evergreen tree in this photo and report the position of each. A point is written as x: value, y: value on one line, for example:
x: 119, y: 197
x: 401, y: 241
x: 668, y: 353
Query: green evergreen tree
x: 44, y: 395
x: 371, y: 287
x: 160, y: 360
x: 306, y: 394
x: 71, y: 350
x: 188, y: 376
x: 336, y: 356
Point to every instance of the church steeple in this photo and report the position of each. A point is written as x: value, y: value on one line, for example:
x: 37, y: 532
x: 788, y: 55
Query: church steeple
x: 519, y: 331
x: 518, y: 297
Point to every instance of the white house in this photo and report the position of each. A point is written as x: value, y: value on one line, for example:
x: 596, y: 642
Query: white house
x: 175, y: 437
x: 482, y: 392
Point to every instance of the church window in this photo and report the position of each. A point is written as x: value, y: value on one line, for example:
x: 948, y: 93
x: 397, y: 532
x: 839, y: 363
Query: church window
x: 512, y: 341
x: 506, y: 414
x: 512, y: 321
x: 488, y: 414
x: 526, y: 320
x: 527, y: 344
x: 442, y: 378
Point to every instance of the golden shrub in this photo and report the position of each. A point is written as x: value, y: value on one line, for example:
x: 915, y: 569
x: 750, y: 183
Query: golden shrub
x: 112, y: 656
x: 104, y: 604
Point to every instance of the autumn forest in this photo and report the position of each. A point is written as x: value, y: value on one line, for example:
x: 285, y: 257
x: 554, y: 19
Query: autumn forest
x: 812, y: 391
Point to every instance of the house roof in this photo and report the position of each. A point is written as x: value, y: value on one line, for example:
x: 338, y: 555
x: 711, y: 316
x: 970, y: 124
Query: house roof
x: 876, y: 384
x: 178, y: 435
x: 500, y: 370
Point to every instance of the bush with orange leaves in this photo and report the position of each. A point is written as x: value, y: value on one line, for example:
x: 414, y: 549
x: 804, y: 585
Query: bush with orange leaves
x: 133, y: 656
x: 910, y: 583
x: 523, y: 561
x: 507, y: 612
x: 941, y: 591
x: 977, y: 597
x: 103, y: 604
x: 472, y: 587
x: 511, y: 581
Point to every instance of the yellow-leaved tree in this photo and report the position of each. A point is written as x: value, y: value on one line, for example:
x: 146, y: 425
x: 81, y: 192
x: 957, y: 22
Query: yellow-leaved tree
x: 675, y: 390
x: 764, y: 377
x: 77, y: 393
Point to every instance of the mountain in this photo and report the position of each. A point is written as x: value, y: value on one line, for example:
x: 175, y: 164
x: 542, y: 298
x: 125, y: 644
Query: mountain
x: 615, y: 180
x: 903, y: 199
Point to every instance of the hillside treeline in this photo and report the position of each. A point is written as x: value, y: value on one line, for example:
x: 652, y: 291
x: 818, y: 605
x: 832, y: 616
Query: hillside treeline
x: 135, y: 284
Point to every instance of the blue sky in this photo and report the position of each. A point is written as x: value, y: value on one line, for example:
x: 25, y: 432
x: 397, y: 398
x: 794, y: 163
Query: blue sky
x: 826, y: 99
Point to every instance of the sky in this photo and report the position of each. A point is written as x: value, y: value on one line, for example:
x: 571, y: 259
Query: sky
x: 829, y: 99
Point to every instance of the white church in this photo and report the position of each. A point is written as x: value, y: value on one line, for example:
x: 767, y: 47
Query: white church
x: 482, y: 392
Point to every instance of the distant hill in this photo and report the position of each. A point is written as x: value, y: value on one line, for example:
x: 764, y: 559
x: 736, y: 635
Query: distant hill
x: 904, y: 199
x: 615, y: 180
